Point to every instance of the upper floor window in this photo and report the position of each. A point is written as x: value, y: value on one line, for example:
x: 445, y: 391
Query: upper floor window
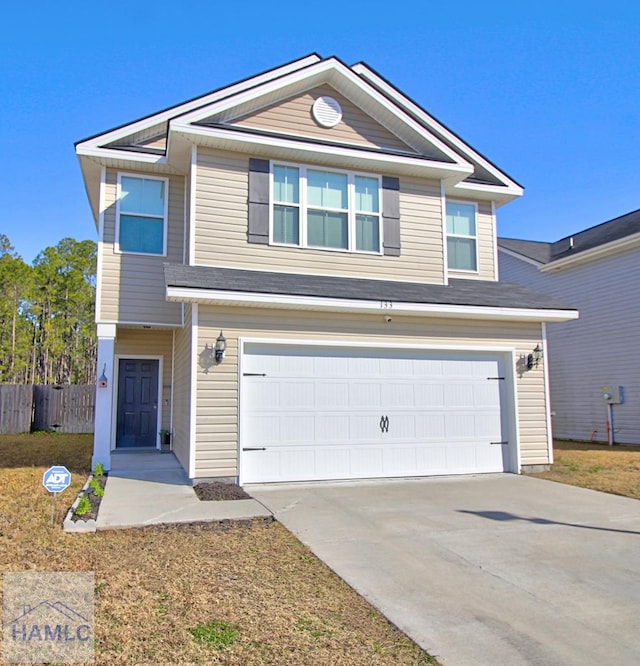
x: 461, y: 236
x: 142, y: 214
x: 325, y: 209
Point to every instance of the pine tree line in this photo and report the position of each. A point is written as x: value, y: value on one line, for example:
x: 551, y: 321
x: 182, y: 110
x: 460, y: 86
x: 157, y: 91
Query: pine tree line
x: 47, y: 330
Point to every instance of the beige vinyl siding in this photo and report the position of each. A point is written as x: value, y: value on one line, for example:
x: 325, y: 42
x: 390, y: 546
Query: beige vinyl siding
x: 132, y: 287
x: 486, y: 240
x: 181, y: 438
x: 138, y: 342
x: 221, y: 230
x: 594, y: 351
x: 217, y: 407
x: 294, y: 117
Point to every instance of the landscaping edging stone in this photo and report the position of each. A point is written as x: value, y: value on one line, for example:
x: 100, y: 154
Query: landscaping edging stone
x: 79, y: 526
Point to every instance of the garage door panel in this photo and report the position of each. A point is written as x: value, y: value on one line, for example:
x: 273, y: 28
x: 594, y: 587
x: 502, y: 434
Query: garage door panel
x: 264, y: 395
x: 364, y: 394
x: 332, y: 428
x: 429, y: 395
x: 332, y: 395
x: 297, y: 395
x: 398, y: 394
x: 316, y: 413
x: 364, y: 428
x: 458, y: 395
x: 400, y: 460
x: 299, y: 429
x: 431, y: 427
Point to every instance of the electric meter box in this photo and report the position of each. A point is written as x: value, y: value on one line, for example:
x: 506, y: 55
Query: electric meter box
x: 613, y: 395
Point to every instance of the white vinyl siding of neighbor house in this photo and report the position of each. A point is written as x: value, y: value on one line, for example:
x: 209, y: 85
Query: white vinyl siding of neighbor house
x: 132, y: 285
x: 596, y: 350
x: 486, y: 239
x: 293, y: 117
x: 181, y: 436
x: 217, y: 399
x: 138, y: 342
x: 222, y: 218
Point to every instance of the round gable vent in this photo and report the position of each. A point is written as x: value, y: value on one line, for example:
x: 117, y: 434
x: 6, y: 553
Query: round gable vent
x: 327, y: 111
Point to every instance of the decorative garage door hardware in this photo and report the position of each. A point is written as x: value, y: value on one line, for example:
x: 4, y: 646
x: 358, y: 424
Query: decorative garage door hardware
x: 384, y: 423
x: 254, y: 448
x: 495, y: 377
x: 254, y: 374
x: 499, y: 443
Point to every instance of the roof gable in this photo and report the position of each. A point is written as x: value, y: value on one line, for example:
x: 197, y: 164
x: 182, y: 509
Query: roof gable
x: 294, y: 116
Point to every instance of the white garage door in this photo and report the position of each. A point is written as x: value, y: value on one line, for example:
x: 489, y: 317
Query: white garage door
x: 313, y: 413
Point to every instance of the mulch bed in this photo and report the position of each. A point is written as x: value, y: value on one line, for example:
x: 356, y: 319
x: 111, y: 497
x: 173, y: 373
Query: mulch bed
x: 92, y: 514
x: 216, y: 491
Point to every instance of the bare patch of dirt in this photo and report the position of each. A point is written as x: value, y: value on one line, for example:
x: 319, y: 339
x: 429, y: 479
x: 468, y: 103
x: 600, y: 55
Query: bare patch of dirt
x: 216, y: 491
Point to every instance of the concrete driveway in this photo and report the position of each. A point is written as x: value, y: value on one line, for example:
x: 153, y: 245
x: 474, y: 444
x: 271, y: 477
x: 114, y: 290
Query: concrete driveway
x: 495, y: 569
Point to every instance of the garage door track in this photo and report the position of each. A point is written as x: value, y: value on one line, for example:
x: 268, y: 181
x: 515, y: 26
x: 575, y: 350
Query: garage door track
x: 491, y: 569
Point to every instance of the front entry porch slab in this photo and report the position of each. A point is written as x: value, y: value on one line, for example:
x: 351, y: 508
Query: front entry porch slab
x: 150, y: 488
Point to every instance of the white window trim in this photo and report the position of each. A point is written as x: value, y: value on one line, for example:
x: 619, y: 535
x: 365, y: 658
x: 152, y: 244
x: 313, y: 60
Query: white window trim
x: 302, y: 206
x: 165, y: 220
x: 474, y: 238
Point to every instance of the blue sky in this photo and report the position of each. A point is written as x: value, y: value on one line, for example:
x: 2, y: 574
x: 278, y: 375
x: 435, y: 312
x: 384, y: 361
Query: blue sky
x: 550, y: 92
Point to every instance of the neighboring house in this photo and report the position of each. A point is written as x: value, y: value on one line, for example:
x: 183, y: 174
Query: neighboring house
x: 342, y: 242
x: 596, y: 270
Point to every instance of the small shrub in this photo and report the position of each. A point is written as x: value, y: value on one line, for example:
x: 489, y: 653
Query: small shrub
x: 216, y: 633
x: 99, y: 491
x: 98, y: 470
x: 84, y: 506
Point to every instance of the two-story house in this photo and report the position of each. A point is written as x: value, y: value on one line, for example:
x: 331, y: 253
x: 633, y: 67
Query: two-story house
x: 297, y: 276
x: 594, y: 374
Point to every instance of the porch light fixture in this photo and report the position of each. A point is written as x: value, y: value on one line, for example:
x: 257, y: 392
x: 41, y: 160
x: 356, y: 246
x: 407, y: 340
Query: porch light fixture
x: 220, y: 347
x: 534, y: 358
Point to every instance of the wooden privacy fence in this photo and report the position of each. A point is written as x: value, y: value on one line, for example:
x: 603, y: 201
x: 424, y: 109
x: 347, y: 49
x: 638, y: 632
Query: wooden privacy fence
x: 28, y: 407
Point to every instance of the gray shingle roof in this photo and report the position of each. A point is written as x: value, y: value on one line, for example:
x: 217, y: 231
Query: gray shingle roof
x: 535, y: 250
x: 601, y: 234
x: 459, y: 292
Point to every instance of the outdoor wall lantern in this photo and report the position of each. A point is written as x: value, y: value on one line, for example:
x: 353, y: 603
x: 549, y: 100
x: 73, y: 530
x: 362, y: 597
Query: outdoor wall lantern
x: 534, y: 358
x: 220, y: 347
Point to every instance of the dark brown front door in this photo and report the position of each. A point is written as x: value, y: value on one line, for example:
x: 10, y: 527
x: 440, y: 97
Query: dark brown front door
x: 137, y: 422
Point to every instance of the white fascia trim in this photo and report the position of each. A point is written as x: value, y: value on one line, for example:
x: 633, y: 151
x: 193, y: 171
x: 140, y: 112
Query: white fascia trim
x: 445, y: 251
x: 193, y: 174
x: 193, y: 404
x: 547, y: 395
x: 315, y: 342
x: 494, y: 236
x: 105, y: 330
x: 503, y: 190
x: 303, y: 149
x: 619, y: 245
x: 429, y: 120
x: 115, y: 154
x: 100, y: 248
x: 371, y: 307
x: 521, y: 257
x: 322, y: 67
x: 143, y: 324
x: 516, y: 411
x: 164, y: 116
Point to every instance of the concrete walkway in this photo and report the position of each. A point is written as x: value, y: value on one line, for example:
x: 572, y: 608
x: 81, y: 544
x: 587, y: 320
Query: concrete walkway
x: 493, y: 569
x: 152, y: 488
